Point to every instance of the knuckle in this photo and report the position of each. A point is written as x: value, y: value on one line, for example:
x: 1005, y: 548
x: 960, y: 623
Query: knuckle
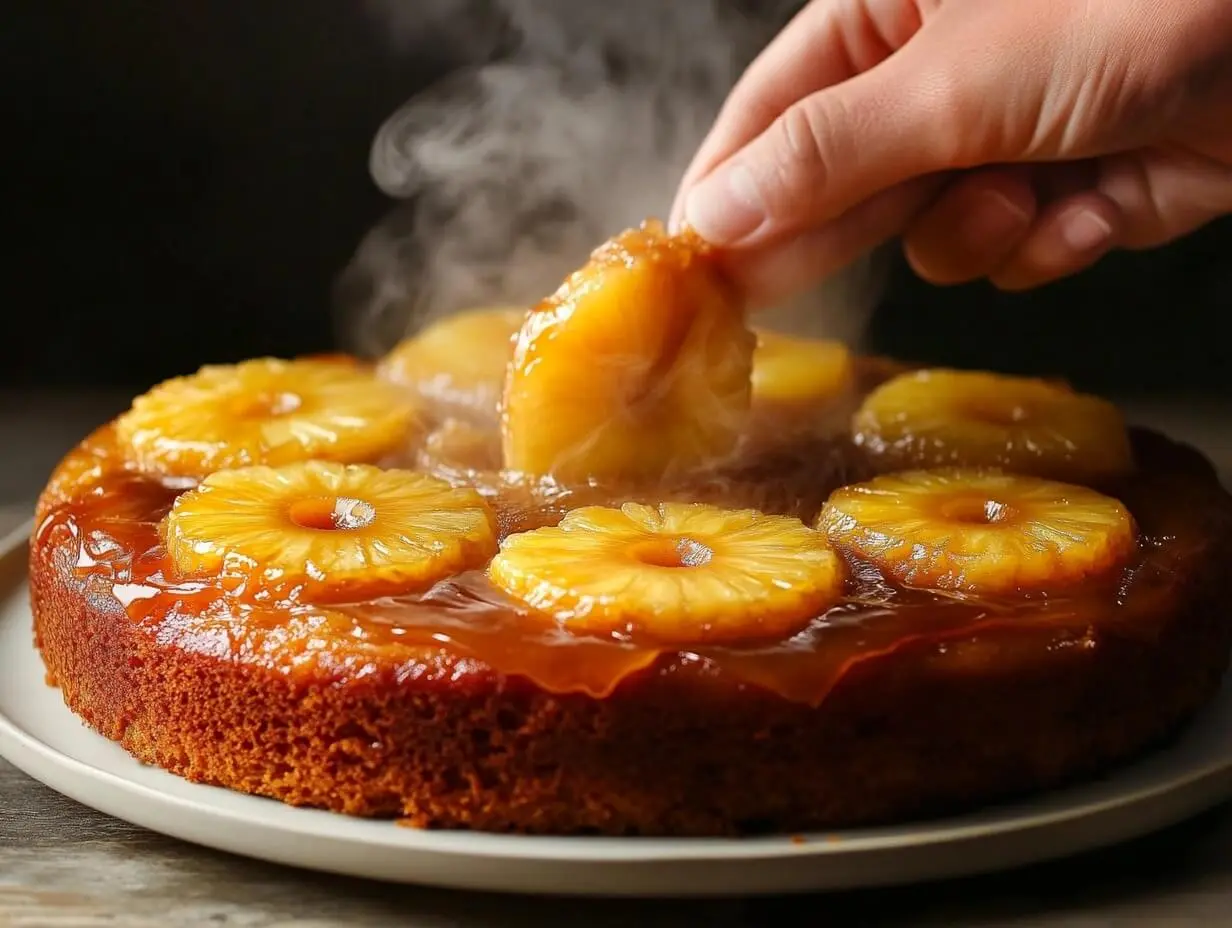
x: 802, y: 140
x: 805, y: 131
x: 944, y: 96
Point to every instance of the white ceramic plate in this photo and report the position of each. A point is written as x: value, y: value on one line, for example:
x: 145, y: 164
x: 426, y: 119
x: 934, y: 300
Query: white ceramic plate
x: 40, y: 736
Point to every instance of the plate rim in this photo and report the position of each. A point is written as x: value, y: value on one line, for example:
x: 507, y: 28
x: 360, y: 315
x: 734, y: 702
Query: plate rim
x: 760, y: 848
x: 1201, y: 787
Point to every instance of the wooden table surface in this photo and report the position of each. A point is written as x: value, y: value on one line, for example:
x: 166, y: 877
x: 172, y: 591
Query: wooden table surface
x: 63, y: 865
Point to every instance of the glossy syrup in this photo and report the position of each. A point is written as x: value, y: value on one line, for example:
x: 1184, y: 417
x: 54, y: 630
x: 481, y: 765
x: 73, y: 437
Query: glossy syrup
x: 106, y: 519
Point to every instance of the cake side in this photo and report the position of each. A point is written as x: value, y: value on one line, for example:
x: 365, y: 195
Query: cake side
x: 440, y: 739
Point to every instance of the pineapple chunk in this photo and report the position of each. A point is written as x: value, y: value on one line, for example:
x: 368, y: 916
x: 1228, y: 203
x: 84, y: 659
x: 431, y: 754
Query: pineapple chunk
x: 975, y: 531
x: 935, y: 418
x: 264, y: 411
x: 458, y: 445
x: 326, y: 532
x: 458, y: 362
x: 803, y: 388
x: 675, y: 573
x: 808, y: 372
x: 637, y: 366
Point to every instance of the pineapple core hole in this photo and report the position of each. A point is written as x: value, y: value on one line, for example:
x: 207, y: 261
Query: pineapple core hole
x: 996, y: 412
x: 266, y: 405
x: 332, y: 513
x: 672, y: 552
x: 976, y: 510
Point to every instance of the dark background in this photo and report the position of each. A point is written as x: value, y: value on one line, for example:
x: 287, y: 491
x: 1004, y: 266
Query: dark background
x: 185, y: 180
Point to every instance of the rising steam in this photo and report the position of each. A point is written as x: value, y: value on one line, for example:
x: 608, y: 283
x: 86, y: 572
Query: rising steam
x: 563, y: 123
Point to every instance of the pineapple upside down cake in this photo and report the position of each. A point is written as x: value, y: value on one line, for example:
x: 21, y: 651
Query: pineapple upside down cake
x: 622, y: 564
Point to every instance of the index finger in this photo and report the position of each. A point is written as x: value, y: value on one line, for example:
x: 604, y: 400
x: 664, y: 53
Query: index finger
x: 826, y: 43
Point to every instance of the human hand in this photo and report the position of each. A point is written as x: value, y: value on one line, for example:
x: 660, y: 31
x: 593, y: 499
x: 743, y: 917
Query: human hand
x: 1014, y: 141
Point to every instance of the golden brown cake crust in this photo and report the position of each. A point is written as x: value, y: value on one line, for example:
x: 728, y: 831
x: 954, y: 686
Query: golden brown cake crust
x: 439, y: 739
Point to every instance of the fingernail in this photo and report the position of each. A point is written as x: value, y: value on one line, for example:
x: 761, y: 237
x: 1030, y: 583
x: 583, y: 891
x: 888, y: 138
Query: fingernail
x: 725, y: 207
x: 994, y: 219
x: 1084, y: 230
x: 1008, y: 207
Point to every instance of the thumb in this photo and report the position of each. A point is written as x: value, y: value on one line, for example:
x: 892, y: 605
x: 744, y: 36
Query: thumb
x: 904, y: 118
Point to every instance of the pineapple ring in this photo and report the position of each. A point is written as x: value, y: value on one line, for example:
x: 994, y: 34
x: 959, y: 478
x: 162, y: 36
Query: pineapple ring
x: 638, y: 365
x: 977, y: 531
x: 937, y: 418
x: 326, y: 532
x: 459, y: 361
x: 264, y: 411
x: 676, y: 573
x: 788, y: 369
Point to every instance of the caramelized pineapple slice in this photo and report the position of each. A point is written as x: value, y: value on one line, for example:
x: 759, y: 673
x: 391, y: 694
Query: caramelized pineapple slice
x: 933, y: 418
x: 326, y: 532
x: 457, y: 445
x: 803, y: 372
x: 639, y: 365
x: 802, y: 388
x: 675, y: 573
x: 264, y: 411
x: 975, y: 531
x: 458, y: 362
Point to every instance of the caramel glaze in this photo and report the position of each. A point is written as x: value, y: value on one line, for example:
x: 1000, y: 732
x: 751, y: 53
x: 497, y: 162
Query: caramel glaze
x: 104, y: 517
